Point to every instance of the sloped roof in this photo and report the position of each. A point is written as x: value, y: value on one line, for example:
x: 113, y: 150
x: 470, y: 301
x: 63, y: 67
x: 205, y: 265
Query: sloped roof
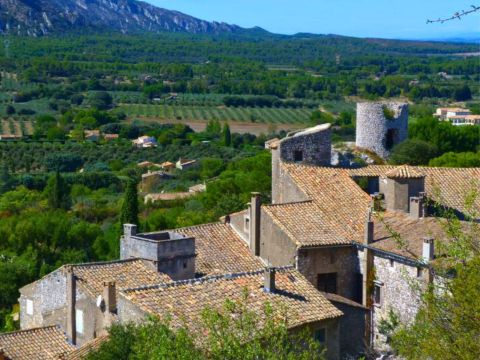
x: 85, y: 349
x: 404, y: 172
x: 35, y: 344
x: 303, y: 223
x: 126, y: 273
x: 398, y: 233
x: 220, y: 250
x: 185, y: 301
x: 450, y: 187
x: 338, y: 205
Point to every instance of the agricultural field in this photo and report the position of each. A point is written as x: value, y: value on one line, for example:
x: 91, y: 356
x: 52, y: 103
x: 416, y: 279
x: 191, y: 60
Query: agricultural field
x: 19, y: 127
x: 220, y: 113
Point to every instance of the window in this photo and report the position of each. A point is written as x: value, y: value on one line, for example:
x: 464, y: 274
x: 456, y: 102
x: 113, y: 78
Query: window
x: 79, y: 321
x: 320, y: 336
x: 29, y: 307
x: 419, y: 272
x: 392, y: 263
x: 327, y: 283
x: 377, y: 295
x: 298, y: 156
x: 246, y: 226
x: 358, y: 294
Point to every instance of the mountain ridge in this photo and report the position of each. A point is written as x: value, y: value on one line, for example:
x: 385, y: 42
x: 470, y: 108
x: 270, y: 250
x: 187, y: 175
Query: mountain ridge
x: 44, y: 17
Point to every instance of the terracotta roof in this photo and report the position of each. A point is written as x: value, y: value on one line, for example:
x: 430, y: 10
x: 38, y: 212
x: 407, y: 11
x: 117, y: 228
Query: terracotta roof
x: 339, y: 201
x: 35, y: 344
x: 449, y: 186
x: 185, y: 301
x: 398, y: 233
x: 404, y: 172
x: 220, y: 250
x: 126, y: 273
x: 303, y: 223
x: 85, y: 349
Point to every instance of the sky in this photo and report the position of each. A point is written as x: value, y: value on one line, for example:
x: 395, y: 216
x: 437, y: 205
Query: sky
x: 400, y: 19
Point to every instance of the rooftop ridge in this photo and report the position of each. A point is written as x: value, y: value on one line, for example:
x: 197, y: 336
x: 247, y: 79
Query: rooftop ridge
x: 183, y: 228
x: 32, y: 330
x: 110, y: 262
x: 289, y: 203
x: 228, y: 276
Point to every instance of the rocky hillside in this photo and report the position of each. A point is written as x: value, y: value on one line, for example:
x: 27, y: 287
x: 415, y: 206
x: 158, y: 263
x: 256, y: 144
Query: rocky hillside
x: 42, y: 17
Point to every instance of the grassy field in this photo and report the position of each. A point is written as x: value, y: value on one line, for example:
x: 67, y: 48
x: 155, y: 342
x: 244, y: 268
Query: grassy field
x: 206, y: 113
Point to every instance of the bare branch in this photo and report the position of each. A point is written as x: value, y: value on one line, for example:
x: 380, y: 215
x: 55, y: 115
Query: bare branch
x: 458, y: 15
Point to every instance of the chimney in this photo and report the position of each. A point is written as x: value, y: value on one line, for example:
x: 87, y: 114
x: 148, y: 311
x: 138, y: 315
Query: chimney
x: 255, y: 209
x: 417, y: 207
x: 109, y: 296
x: 269, y: 280
x: 369, y: 226
x: 129, y: 229
x: 71, y: 303
x: 428, y: 249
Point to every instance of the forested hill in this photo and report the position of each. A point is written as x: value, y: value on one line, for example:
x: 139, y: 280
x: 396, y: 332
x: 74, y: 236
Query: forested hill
x: 42, y: 17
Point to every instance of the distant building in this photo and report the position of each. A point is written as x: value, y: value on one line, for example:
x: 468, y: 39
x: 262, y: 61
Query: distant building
x: 449, y: 112
x: 167, y: 166
x: 10, y: 137
x: 184, y: 164
x: 145, y: 142
x: 110, y: 137
x: 91, y: 135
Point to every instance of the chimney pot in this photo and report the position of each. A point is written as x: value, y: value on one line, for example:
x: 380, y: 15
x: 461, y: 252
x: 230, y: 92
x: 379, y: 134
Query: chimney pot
x: 269, y: 280
x: 428, y: 249
x: 129, y: 229
x: 416, y: 207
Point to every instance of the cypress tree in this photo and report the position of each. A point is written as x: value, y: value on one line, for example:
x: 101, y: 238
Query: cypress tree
x: 227, y: 136
x: 5, y: 180
x: 129, y: 212
x: 58, y: 192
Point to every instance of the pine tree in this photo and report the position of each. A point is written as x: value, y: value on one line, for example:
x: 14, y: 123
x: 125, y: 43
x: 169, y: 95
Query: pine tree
x: 129, y: 212
x: 58, y: 192
x: 227, y: 136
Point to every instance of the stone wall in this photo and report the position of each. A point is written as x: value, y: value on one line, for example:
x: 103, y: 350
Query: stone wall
x: 398, y: 192
x: 314, y: 145
x: 326, y: 260
x: 276, y: 248
x: 285, y: 190
x: 373, y: 126
x: 351, y: 330
x: 397, y: 282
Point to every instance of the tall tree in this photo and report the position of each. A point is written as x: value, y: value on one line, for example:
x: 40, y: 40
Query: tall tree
x: 58, y: 192
x: 5, y: 179
x: 129, y: 212
x: 227, y: 136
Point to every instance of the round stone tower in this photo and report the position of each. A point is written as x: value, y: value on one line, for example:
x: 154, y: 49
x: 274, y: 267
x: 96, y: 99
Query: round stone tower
x: 381, y: 126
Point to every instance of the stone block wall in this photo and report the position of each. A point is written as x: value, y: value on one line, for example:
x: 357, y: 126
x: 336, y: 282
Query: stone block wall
x: 373, y: 126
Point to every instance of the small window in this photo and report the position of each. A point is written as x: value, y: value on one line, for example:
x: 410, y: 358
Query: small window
x: 298, y: 156
x: 184, y: 265
x: 321, y: 336
x: 392, y: 263
x: 79, y: 321
x: 29, y: 307
x: 327, y: 283
x: 419, y: 272
x: 377, y: 295
x: 247, y: 224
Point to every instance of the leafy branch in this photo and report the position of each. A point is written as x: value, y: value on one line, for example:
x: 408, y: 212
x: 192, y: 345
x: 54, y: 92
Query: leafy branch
x: 458, y: 15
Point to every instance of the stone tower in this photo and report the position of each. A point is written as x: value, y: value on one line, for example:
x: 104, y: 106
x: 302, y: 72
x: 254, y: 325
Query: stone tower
x: 312, y: 146
x: 381, y: 126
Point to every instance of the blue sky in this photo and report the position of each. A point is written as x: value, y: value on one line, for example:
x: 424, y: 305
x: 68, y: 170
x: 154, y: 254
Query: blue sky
x: 363, y: 18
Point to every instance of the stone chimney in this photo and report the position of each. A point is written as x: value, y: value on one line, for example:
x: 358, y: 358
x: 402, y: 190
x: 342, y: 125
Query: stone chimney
x: 428, y: 249
x: 71, y: 305
x: 417, y: 207
x: 172, y: 253
x: 255, y: 210
x: 109, y: 296
x: 269, y: 280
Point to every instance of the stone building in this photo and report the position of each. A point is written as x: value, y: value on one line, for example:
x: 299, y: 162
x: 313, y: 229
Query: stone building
x: 381, y: 126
